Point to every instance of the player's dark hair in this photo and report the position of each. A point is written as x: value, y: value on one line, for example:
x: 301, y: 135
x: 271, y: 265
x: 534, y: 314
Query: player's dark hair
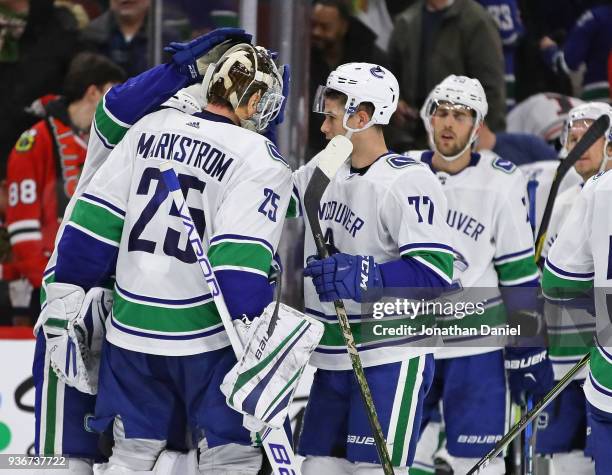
x: 343, y: 6
x: 368, y: 107
x: 88, y: 69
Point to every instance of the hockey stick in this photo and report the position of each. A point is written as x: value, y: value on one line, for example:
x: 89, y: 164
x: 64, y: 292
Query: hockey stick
x: 275, y: 442
x: 529, y: 417
x: 596, y: 130
x: 336, y: 152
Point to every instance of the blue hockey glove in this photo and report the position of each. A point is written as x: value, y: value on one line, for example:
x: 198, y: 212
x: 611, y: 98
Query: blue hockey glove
x: 270, y: 132
x: 343, y: 276
x: 186, y: 54
x: 529, y: 371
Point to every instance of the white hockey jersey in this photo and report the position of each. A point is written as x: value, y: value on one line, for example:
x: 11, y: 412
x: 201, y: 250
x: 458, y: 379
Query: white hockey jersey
x: 542, y: 114
x: 568, y: 329
x: 237, y: 186
x: 396, y: 208
x: 539, y: 176
x: 487, y: 217
x: 579, y: 260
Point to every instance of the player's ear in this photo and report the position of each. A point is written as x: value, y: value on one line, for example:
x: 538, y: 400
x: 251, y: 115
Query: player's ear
x: 363, y: 118
x: 252, y: 103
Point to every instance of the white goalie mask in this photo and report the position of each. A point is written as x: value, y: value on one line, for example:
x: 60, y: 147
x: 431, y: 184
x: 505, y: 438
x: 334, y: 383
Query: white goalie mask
x: 580, y: 118
x: 361, y: 83
x: 456, y: 92
x: 243, y: 69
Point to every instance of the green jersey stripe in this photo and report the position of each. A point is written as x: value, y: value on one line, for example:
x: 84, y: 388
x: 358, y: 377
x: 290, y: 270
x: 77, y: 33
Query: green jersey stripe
x: 369, y: 332
x: 404, y: 412
x: 110, y: 128
x: 492, y: 316
x: 514, y: 272
x: 164, y: 319
x: 601, y: 368
x: 556, y: 287
x: 443, y: 261
x: 97, y: 219
x: 243, y: 254
x: 292, y: 210
x: 50, y: 419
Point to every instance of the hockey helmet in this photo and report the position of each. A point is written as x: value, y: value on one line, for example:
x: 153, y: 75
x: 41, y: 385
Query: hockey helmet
x: 241, y: 71
x: 461, y: 92
x: 361, y: 83
x: 582, y: 116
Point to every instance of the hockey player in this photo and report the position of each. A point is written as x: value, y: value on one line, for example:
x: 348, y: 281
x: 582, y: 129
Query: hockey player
x: 542, y: 114
x: 562, y: 425
x: 383, y: 216
x: 62, y: 411
x: 487, y: 218
x: 577, y: 263
x: 166, y: 347
x: 43, y: 171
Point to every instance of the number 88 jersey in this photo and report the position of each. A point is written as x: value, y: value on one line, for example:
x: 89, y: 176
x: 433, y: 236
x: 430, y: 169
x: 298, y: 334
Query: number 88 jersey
x: 237, y: 188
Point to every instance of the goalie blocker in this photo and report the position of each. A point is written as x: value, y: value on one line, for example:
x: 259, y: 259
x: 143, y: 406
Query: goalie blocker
x: 262, y: 384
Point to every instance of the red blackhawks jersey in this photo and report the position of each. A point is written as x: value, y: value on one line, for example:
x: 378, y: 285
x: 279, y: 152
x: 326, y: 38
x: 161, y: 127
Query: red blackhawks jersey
x: 42, y: 174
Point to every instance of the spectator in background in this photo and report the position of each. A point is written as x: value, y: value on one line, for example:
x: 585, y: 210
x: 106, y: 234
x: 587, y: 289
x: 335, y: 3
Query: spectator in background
x: 589, y: 42
x: 42, y: 174
x: 37, y: 42
x: 121, y: 35
x: 507, y: 17
x: 433, y: 39
x: 336, y: 38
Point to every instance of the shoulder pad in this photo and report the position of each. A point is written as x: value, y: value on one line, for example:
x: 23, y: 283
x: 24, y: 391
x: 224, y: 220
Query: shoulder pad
x: 401, y: 161
x: 26, y: 140
x: 503, y: 165
x: 275, y: 153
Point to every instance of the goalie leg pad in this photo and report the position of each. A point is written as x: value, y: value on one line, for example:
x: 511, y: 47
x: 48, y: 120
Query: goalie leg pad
x: 572, y: 463
x: 321, y: 465
x: 263, y: 382
x: 60, y: 412
x: 229, y: 459
x: 134, y: 453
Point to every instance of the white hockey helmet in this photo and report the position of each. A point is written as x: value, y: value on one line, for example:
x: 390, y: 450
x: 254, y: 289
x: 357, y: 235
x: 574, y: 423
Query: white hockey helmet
x: 583, y: 116
x: 242, y: 69
x: 459, y: 91
x: 361, y: 82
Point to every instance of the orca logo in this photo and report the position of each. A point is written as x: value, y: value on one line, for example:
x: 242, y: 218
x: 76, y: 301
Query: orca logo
x: 377, y: 72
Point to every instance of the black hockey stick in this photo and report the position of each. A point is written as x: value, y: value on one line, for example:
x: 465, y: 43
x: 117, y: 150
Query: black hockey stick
x: 529, y: 417
x: 596, y: 130
x: 336, y: 152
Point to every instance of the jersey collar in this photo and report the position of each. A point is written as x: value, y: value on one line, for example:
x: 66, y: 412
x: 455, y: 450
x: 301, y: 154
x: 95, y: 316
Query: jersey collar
x: 427, y: 157
x: 213, y: 117
x: 363, y: 170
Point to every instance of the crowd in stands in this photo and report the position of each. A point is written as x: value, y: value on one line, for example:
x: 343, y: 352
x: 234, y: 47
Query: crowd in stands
x: 58, y: 58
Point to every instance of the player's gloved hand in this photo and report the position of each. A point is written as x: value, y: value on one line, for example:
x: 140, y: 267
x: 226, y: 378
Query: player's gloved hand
x: 343, y: 276
x: 270, y: 132
x: 186, y: 54
x: 529, y: 371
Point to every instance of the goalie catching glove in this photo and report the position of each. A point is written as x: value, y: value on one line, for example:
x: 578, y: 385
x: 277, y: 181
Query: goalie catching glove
x: 73, y: 325
x: 263, y: 382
